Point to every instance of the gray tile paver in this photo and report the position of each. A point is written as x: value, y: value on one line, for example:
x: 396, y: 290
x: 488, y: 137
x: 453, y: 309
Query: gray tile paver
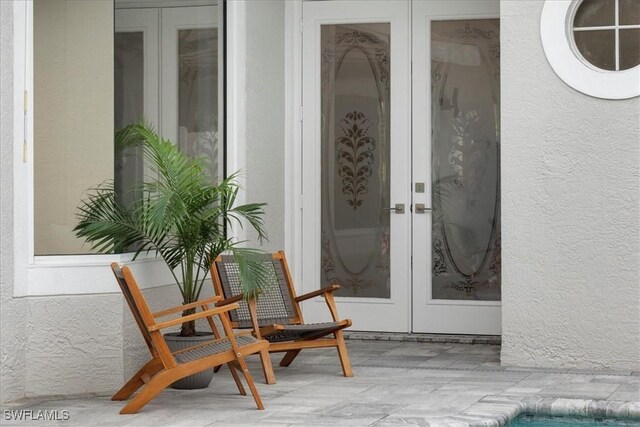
x: 395, y: 382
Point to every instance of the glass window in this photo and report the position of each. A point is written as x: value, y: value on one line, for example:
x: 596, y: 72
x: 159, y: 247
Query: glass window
x: 91, y: 81
x: 606, y: 35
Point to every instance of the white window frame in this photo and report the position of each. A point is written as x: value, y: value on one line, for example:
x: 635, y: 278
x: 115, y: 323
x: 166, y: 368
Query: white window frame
x: 556, y: 33
x: 64, y: 274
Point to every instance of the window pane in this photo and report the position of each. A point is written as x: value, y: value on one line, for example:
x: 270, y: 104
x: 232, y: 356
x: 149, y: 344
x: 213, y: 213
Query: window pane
x: 629, y: 12
x: 355, y: 158
x: 597, y: 47
x: 129, y: 108
x: 198, y: 94
x: 629, y: 48
x: 465, y: 169
x: 592, y: 13
x: 73, y: 114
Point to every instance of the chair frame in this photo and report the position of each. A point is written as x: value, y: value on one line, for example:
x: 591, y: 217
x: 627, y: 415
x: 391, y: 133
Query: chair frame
x: 163, y: 370
x: 291, y: 348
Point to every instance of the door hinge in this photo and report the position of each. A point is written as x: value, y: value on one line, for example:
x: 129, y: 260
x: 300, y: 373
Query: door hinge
x: 24, y: 133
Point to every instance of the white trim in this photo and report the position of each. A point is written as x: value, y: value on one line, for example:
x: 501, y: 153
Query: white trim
x: 89, y: 274
x: 22, y: 170
x: 555, y: 24
x: 394, y: 314
x: 236, y: 97
x: 293, y: 139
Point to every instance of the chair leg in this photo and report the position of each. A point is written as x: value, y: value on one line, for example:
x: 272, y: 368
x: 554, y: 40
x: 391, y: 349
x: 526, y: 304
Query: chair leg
x: 136, y: 381
x: 157, y: 384
x: 267, y: 367
x: 236, y: 378
x: 344, y: 355
x: 288, y: 357
x: 252, y: 386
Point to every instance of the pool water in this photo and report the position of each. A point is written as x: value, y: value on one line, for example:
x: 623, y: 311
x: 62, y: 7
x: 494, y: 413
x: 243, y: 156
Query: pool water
x: 542, y: 421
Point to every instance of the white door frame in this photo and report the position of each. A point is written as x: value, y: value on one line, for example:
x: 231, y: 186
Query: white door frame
x: 293, y: 117
x: 381, y: 314
x: 430, y: 315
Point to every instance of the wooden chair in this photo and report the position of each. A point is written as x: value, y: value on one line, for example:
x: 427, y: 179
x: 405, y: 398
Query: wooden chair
x: 276, y: 315
x: 166, y: 367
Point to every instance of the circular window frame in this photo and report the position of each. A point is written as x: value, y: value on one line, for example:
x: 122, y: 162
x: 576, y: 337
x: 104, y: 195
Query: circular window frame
x: 556, y: 33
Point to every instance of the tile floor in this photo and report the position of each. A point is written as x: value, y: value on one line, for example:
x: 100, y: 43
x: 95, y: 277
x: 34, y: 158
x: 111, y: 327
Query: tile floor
x: 395, y: 382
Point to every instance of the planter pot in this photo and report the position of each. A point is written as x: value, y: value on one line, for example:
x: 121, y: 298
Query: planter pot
x: 176, y: 342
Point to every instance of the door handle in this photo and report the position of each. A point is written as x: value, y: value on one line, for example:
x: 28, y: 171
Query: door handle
x: 421, y: 208
x: 399, y: 208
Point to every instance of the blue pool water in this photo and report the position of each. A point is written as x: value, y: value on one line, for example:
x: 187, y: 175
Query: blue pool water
x: 542, y: 421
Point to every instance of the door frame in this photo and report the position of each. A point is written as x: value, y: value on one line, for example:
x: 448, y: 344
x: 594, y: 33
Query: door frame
x: 293, y: 129
x: 391, y: 314
x: 422, y: 223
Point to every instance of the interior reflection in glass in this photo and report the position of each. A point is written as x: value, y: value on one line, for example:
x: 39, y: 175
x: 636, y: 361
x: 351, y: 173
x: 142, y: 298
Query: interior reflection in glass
x: 465, y: 85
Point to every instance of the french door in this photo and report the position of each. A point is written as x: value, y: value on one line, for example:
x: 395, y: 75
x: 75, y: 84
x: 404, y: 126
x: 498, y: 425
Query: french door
x: 401, y: 197
x: 356, y: 156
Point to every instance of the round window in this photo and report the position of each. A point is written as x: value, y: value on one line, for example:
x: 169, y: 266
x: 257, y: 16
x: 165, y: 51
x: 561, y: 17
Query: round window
x: 594, y: 45
x: 606, y: 33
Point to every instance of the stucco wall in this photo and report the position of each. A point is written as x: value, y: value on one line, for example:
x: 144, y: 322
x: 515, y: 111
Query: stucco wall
x: 13, y: 311
x: 571, y: 212
x: 74, y: 344
x: 265, y: 23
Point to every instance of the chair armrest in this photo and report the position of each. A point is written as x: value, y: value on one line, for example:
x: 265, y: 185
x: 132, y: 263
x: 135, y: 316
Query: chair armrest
x: 321, y: 291
x: 184, y: 307
x: 231, y: 300
x: 199, y: 315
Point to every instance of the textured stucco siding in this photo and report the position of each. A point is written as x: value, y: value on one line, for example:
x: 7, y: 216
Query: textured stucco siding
x: 74, y: 344
x: 265, y: 23
x: 571, y: 212
x: 13, y: 311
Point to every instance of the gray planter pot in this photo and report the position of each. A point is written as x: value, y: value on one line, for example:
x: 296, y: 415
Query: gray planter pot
x: 176, y: 342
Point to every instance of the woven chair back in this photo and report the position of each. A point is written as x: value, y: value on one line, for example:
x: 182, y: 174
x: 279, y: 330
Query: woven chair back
x: 124, y: 286
x: 274, y: 305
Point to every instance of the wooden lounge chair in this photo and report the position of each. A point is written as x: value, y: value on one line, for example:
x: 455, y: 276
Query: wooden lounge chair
x: 276, y: 315
x: 166, y: 367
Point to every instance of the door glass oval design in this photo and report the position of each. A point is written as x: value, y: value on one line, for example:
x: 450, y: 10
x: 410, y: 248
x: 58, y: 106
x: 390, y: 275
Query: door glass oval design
x: 355, y: 158
x: 465, y: 96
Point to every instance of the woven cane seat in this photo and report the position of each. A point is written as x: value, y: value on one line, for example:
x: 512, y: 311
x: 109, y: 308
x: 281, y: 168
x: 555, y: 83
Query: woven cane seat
x: 212, y: 348
x: 296, y: 332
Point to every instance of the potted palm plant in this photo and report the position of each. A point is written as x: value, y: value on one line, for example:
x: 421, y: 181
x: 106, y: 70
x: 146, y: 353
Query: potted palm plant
x: 180, y: 215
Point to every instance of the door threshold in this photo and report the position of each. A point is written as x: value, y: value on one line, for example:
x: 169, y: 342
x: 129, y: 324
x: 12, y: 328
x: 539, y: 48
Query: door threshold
x: 423, y: 338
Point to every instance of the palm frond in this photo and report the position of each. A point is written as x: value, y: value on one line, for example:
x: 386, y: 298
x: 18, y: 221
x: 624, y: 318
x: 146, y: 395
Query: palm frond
x: 181, y: 215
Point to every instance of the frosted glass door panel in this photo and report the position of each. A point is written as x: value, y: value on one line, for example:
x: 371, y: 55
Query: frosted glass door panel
x: 465, y: 89
x: 355, y: 158
x: 198, y: 93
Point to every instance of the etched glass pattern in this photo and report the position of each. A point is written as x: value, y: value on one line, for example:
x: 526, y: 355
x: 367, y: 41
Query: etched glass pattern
x: 355, y: 135
x: 465, y: 97
x: 198, y: 94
